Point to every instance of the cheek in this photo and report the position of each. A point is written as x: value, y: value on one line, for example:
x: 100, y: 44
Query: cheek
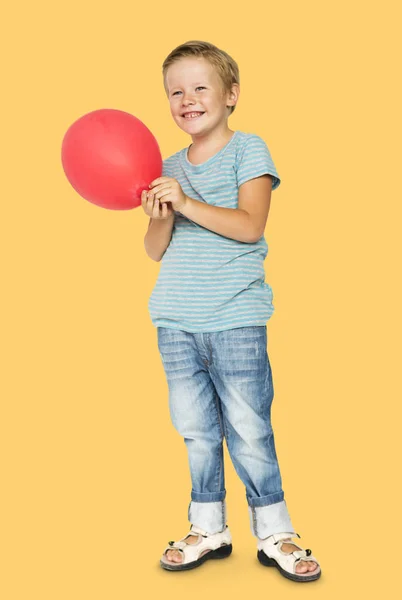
x: 212, y: 103
x: 173, y: 109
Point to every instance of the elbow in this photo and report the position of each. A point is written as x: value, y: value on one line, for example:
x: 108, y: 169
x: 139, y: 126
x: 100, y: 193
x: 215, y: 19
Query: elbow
x: 152, y: 254
x: 254, y: 237
x: 254, y: 230
x: 155, y: 258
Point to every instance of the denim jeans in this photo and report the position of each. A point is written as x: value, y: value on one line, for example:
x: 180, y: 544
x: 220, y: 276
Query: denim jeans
x: 220, y: 386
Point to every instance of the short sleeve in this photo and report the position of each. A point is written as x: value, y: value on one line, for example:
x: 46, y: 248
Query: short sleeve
x: 169, y: 166
x: 165, y: 168
x: 255, y: 160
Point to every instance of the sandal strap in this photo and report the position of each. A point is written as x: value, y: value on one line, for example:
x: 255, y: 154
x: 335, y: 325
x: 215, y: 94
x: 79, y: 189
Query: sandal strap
x: 196, y: 529
x: 181, y: 544
x: 287, y: 560
x: 278, y: 537
x: 192, y: 552
x: 176, y: 546
x: 303, y: 554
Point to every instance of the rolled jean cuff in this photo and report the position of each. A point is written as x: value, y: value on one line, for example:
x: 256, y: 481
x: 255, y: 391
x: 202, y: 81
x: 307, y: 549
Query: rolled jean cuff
x: 270, y: 519
x: 208, y: 497
x: 265, y: 500
x: 209, y: 516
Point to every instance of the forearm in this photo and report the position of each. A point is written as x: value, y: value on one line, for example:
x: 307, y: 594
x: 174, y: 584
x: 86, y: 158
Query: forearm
x: 233, y: 223
x: 158, y: 237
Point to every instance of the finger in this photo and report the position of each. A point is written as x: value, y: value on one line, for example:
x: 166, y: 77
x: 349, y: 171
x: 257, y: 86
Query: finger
x: 150, y: 201
x: 145, y: 204
x: 156, y: 210
x: 163, y: 193
x: 158, y: 180
x: 158, y: 188
x: 164, y: 211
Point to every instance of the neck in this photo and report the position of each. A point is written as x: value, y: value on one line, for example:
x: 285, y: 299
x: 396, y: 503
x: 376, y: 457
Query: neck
x: 217, y: 137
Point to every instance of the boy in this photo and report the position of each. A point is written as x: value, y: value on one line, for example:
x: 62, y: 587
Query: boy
x: 210, y: 306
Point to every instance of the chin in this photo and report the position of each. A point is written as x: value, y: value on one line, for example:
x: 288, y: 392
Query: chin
x: 193, y: 130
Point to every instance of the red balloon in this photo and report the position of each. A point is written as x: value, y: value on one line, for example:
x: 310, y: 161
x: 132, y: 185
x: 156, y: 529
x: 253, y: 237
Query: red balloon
x: 109, y: 157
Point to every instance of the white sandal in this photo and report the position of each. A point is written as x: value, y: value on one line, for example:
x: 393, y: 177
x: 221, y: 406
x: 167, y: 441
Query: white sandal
x: 270, y: 554
x: 217, y: 545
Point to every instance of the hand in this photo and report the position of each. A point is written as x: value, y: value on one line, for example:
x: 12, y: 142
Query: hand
x: 153, y: 208
x: 168, y: 189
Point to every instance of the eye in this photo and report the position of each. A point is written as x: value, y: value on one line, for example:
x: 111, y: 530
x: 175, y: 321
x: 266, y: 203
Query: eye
x: 200, y: 87
x: 174, y: 93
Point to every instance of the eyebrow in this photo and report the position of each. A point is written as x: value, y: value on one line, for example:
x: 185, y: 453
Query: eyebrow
x: 195, y: 84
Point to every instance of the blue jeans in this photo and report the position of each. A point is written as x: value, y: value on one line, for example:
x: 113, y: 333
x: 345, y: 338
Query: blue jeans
x: 220, y: 386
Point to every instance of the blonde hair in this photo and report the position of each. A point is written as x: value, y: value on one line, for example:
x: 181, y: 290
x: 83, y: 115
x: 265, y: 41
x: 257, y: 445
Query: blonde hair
x: 224, y: 64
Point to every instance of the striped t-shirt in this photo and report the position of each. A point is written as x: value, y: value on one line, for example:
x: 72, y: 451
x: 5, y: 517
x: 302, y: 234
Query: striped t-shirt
x: 208, y: 282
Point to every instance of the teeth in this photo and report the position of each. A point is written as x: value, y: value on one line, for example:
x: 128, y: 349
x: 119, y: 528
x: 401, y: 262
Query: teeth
x: 192, y: 115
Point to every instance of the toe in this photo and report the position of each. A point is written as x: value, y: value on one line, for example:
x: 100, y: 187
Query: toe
x: 306, y: 566
x: 302, y: 567
x: 173, y: 556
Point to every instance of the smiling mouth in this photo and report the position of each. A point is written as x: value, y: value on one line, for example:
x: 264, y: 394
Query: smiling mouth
x: 193, y: 115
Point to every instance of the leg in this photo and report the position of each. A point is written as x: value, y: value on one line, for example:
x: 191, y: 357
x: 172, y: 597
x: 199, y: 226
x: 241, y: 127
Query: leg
x: 242, y: 376
x: 196, y: 415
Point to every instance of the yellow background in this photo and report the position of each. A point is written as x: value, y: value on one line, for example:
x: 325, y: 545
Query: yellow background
x: 94, y: 477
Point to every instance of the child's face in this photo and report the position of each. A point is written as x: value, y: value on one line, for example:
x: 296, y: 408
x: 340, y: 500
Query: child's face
x: 193, y: 85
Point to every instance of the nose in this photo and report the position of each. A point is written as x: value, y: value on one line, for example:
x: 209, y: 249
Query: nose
x: 187, y: 99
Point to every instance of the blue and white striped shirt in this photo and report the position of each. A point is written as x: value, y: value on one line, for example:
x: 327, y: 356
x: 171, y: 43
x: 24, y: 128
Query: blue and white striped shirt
x: 208, y: 282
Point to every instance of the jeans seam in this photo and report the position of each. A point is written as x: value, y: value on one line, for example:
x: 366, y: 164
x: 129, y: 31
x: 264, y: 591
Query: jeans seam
x: 254, y: 519
x: 210, y: 351
x: 221, y: 426
x: 220, y: 448
x: 224, y: 430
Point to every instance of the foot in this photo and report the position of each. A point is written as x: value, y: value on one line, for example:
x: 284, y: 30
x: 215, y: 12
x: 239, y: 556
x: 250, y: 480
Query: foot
x: 175, y: 555
x: 304, y: 565
x: 195, y: 548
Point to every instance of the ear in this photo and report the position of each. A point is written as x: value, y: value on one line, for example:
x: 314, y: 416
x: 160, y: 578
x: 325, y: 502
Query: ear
x: 233, y: 96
